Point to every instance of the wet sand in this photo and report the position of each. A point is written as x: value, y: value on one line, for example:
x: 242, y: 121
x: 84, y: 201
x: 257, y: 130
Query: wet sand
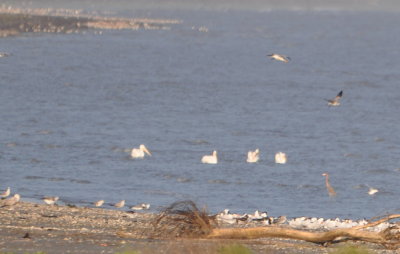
x: 30, y: 227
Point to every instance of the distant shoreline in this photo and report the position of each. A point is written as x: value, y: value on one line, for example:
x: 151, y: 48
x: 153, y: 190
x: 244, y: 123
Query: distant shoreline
x: 14, y: 22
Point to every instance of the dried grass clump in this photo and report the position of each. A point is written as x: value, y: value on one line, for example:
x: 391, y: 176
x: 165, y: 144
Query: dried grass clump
x: 183, y: 219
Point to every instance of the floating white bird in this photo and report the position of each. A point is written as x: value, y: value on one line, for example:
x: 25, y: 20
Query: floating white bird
x: 279, y: 57
x: 120, y: 204
x: 6, y: 193
x: 253, y: 156
x: 280, y: 158
x: 98, y: 203
x: 372, y: 191
x: 141, y: 207
x: 329, y: 188
x: 210, y: 159
x: 50, y: 200
x: 139, y: 153
x: 335, y: 101
x: 11, y: 201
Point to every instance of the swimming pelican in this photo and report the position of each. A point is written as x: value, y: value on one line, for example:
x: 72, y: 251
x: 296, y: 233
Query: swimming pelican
x: 335, y: 101
x: 330, y: 189
x: 120, y: 204
x: 6, y: 193
x: 138, y: 153
x: 280, y: 158
x: 279, y: 57
x: 210, y: 159
x: 50, y: 200
x: 253, y: 156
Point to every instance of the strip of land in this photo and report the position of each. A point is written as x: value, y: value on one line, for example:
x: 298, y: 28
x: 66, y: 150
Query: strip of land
x: 17, y: 21
x: 29, y: 228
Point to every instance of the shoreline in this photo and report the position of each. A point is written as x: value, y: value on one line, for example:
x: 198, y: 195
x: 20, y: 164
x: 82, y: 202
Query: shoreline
x: 14, y: 21
x: 32, y: 227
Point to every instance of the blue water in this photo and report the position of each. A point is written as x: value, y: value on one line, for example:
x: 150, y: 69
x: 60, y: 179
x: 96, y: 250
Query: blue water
x: 72, y: 104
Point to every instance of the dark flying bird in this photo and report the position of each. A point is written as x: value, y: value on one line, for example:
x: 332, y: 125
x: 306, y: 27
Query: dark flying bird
x: 335, y: 101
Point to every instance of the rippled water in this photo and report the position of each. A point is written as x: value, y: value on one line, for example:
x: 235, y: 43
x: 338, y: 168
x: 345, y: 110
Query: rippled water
x: 72, y: 104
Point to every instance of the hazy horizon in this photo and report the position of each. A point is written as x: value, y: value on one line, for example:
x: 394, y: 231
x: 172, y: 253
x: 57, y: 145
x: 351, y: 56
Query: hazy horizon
x: 221, y: 5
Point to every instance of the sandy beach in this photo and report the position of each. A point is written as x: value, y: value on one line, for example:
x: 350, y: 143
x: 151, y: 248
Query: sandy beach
x: 31, y: 227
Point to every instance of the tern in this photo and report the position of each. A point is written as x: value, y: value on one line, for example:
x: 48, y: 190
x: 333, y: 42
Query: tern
x: 279, y: 57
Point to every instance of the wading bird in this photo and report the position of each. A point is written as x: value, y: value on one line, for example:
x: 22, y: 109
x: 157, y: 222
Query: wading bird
x: 120, y: 204
x: 50, y: 200
x: 330, y: 189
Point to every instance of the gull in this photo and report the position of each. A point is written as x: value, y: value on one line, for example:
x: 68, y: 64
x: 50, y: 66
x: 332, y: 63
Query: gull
x: 372, y: 191
x: 6, y: 193
x: 253, y: 156
x: 11, y: 201
x: 335, y: 101
x: 4, y: 54
x: 98, y: 203
x: 279, y: 57
x: 50, y: 200
x: 210, y: 159
x: 141, y: 207
x: 280, y: 158
x: 120, y: 204
x: 330, y: 189
x: 139, y: 153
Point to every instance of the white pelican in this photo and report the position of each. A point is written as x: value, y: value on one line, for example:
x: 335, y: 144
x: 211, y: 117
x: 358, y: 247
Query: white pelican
x: 210, y: 159
x: 280, y: 158
x: 6, y: 193
x: 279, y: 57
x: 253, y: 156
x: 120, y: 204
x: 330, y: 189
x: 335, y: 101
x: 50, y: 200
x: 138, y: 153
x: 98, y: 203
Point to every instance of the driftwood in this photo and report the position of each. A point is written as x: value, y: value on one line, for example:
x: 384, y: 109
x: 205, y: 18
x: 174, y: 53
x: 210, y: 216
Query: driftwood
x: 184, y: 219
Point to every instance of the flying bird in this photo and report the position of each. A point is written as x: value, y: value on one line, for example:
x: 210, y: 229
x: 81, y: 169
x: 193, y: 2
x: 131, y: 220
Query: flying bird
x: 330, y: 189
x: 335, y: 101
x: 279, y: 57
x: 210, y: 159
x: 139, y: 153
